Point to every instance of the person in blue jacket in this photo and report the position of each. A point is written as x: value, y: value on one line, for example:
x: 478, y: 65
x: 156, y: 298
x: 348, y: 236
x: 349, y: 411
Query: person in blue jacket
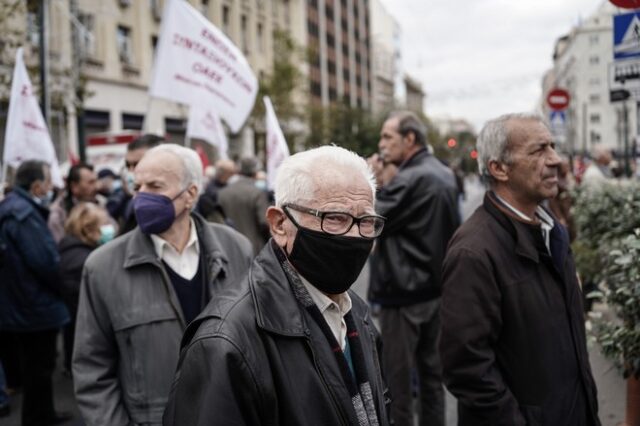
x: 31, y: 311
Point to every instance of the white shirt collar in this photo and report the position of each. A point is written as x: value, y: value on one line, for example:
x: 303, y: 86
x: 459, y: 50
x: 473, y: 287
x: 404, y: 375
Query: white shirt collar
x: 332, y: 312
x: 323, y: 301
x: 546, y: 221
x: 160, y: 244
x: 185, y: 263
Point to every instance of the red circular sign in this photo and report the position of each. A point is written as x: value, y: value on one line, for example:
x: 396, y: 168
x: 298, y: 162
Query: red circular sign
x: 627, y: 4
x: 558, y: 99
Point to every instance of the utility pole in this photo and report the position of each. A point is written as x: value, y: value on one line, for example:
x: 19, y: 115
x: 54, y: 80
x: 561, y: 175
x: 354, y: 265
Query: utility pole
x: 43, y: 52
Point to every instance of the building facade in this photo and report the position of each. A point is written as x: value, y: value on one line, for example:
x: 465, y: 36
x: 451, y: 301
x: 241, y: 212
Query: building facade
x: 582, y: 61
x: 338, y: 42
x: 103, y: 51
x: 414, y: 94
x: 386, y: 59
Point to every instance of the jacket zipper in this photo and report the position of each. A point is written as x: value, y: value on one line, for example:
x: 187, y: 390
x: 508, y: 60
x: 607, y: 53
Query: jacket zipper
x: 324, y: 382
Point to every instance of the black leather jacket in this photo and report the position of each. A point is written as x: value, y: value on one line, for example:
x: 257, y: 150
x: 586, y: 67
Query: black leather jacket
x: 256, y: 357
x: 420, y: 204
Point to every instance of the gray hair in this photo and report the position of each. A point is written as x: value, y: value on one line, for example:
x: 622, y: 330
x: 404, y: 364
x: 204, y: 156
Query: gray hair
x: 295, y: 179
x: 493, y: 140
x: 409, y: 122
x: 189, y: 159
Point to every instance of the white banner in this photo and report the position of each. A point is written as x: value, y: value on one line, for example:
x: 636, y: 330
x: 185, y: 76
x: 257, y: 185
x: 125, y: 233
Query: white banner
x: 196, y: 64
x: 277, y: 149
x: 26, y: 136
x: 205, y: 124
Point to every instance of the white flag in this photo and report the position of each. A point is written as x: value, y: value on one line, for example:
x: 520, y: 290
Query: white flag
x: 277, y: 149
x: 196, y: 64
x: 26, y: 136
x: 205, y: 124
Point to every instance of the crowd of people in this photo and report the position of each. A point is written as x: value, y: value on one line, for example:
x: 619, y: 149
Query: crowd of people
x: 185, y: 302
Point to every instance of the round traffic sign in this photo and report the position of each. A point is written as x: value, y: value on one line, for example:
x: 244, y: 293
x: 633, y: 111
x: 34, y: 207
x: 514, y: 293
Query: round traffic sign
x: 626, y: 4
x: 558, y: 99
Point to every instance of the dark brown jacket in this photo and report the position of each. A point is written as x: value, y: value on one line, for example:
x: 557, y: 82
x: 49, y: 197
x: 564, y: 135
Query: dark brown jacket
x: 513, y: 341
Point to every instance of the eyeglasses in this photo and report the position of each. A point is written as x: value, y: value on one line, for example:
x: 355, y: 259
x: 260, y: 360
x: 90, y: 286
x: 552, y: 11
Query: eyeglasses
x: 339, y: 223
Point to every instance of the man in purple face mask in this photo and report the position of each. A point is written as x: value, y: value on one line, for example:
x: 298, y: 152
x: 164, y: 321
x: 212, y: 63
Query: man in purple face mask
x: 140, y: 291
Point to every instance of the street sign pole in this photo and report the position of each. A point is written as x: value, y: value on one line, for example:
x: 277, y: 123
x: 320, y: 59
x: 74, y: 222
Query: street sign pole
x: 625, y: 116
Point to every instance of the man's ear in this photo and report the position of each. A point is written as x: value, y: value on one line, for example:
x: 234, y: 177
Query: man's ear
x: 276, y: 219
x: 193, y: 194
x: 36, y: 185
x: 499, y: 171
x: 410, y: 138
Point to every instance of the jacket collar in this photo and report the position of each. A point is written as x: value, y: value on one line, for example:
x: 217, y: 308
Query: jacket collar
x: 26, y: 196
x: 277, y: 310
x: 519, y: 229
x: 415, y: 158
x: 140, y: 250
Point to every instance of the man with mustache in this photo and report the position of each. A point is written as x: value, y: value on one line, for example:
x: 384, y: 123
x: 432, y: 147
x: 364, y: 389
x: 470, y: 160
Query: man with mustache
x: 513, y: 341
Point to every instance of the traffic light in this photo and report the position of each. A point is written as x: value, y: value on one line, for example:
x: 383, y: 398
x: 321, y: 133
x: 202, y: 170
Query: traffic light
x: 452, y: 143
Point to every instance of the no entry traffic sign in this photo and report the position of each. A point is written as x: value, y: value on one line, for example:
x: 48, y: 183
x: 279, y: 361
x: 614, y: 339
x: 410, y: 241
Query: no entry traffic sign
x: 558, y: 99
x: 627, y: 4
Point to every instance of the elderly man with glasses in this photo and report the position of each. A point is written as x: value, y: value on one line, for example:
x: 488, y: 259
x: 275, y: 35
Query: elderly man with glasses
x: 290, y: 344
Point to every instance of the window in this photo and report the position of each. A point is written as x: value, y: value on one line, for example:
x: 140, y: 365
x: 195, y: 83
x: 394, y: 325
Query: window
x: 316, y: 89
x: 594, y: 60
x: 594, y: 118
x: 260, y: 38
x: 594, y: 39
x: 156, y: 9
x: 132, y: 121
x: 313, y: 28
x: 244, y: 35
x: 85, y: 35
x: 225, y: 19
x: 594, y: 98
x: 96, y: 121
x: 175, y: 129
x: 33, y: 30
x: 594, y: 137
x: 331, y: 40
x: 331, y: 66
x: 123, y: 41
x: 154, y: 44
x: 594, y: 81
x: 328, y: 11
x: 204, y: 7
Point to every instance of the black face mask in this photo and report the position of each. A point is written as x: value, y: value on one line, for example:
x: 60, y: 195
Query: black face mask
x: 330, y: 262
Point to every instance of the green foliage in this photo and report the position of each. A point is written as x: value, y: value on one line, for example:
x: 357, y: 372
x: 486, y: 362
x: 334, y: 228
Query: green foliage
x: 352, y: 128
x: 607, y: 252
x: 283, y: 80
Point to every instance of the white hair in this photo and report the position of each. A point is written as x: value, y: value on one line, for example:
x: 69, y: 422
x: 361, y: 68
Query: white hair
x: 493, y: 140
x: 295, y: 179
x: 189, y: 159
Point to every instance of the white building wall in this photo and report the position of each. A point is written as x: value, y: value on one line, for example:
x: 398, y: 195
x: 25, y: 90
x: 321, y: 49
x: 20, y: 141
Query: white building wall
x: 582, y: 67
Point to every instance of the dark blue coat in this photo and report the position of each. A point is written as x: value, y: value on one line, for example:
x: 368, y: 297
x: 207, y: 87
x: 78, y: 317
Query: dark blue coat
x: 29, y: 262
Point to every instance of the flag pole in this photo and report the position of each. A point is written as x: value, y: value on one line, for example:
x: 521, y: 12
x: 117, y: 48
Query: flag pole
x: 3, y: 179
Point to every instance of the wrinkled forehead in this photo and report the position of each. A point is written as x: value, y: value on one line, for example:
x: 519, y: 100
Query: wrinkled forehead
x: 330, y: 183
x: 524, y: 131
x: 164, y: 165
